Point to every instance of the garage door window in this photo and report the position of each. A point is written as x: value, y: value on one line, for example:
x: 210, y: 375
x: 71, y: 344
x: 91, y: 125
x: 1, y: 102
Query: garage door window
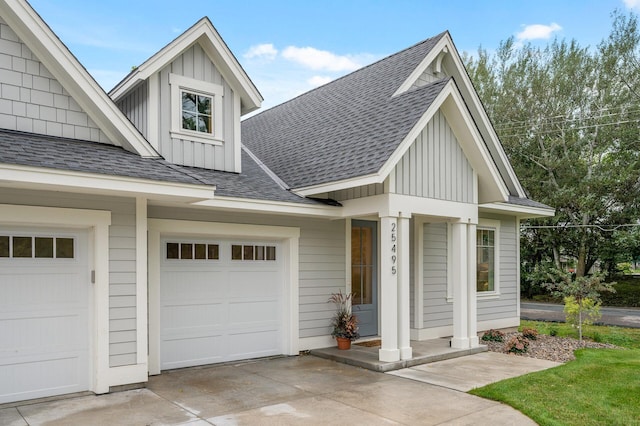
x: 193, y: 251
x: 36, y: 247
x: 251, y: 252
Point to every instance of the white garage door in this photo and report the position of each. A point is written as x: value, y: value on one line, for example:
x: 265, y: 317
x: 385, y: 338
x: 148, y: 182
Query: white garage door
x: 44, y: 321
x: 220, y: 300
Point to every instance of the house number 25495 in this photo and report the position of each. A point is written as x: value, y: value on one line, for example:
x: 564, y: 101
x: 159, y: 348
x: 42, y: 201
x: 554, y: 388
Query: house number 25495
x: 394, y: 248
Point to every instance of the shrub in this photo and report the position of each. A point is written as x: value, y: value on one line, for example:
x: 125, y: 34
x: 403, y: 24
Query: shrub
x: 493, y: 336
x: 517, y: 345
x: 530, y: 333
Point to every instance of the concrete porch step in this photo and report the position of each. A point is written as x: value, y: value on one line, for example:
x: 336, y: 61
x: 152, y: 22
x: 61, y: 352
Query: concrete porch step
x: 424, y: 352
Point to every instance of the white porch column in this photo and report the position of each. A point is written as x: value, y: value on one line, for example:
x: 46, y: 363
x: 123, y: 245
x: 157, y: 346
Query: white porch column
x: 389, y: 289
x: 404, y: 323
x: 472, y: 299
x: 460, y: 278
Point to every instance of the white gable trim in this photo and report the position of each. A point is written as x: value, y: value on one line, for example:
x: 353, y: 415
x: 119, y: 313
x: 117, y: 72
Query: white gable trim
x: 204, y: 33
x: 32, y: 30
x: 523, y: 212
x: 459, y: 73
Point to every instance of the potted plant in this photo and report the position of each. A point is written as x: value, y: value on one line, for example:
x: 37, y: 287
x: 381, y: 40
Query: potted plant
x: 345, y: 324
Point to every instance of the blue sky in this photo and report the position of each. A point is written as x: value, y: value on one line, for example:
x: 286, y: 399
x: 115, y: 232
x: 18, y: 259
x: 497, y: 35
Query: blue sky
x: 289, y: 47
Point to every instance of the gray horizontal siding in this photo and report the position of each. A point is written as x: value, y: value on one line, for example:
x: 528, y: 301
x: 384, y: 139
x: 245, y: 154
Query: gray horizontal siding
x: 437, y: 311
x: 32, y: 100
x: 435, y: 166
x: 504, y: 306
x: 321, y: 259
x: 122, y: 272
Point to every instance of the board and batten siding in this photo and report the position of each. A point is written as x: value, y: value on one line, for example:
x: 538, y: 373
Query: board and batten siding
x: 32, y: 99
x: 321, y: 259
x: 435, y: 166
x: 134, y: 106
x: 437, y: 311
x: 504, y: 306
x: 122, y: 260
x: 195, y: 64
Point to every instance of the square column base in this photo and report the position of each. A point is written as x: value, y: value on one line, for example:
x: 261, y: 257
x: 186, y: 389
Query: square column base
x: 474, y: 342
x: 460, y: 343
x: 406, y: 353
x: 389, y: 355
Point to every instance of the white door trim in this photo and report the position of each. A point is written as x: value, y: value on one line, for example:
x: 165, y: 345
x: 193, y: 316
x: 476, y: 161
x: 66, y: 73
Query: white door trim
x: 98, y: 221
x: 289, y: 236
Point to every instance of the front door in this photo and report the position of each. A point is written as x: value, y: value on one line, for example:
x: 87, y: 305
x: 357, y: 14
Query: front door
x: 364, y: 271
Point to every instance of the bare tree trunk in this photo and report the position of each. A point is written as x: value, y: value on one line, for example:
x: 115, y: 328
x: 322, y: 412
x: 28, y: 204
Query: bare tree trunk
x: 556, y: 257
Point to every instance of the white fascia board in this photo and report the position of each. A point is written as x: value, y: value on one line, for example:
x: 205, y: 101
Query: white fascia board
x: 63, y: 180
x: 473, y: 101
x: 48, y: 48
x: 270, y: 207
x: 338, y: 185
x: 523, y: 212
x: 204, y: 33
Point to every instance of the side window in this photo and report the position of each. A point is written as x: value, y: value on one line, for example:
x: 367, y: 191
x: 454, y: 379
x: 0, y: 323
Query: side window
x: 196, y: 110
x: 486, y: 254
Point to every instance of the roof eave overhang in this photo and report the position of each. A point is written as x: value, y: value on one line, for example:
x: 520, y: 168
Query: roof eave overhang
x: 37, y: 178
x: 523, y: 212
x: 206, y: 35
x: 48, y: 48
x: 271, y: 207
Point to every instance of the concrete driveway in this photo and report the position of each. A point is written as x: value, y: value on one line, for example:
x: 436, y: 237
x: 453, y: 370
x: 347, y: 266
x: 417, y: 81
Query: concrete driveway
x: 283, y: 391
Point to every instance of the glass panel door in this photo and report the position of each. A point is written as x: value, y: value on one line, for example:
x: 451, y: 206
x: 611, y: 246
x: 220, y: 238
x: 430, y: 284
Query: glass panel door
x: 364, y: 275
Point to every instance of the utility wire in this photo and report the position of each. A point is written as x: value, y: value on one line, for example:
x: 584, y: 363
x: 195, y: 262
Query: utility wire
x: 604, y: 228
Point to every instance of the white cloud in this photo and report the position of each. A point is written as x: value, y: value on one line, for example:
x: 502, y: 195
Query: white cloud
x: 632, y: 4
x: 315, y: 59
x: 538, y: 31
x: 262, y: 51
x: 319, y: 80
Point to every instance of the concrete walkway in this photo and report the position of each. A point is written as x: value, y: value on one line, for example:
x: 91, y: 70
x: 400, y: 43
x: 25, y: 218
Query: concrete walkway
x: 295, y: 390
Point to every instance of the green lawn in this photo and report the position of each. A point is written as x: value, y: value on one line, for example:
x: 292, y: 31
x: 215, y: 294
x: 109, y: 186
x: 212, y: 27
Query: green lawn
x: 601, y: 387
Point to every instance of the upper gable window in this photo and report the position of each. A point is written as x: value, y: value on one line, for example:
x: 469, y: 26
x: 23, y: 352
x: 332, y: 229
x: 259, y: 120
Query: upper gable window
x: 196, y: 110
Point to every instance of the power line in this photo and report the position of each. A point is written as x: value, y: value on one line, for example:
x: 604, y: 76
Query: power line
x: 604, y: 228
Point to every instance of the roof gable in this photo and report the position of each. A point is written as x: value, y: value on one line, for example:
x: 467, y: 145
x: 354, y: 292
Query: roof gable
x: 204, y: 33
x: 345, y: 129
x: 66, y: 69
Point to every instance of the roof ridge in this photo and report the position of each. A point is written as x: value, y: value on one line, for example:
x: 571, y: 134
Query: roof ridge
x: 437, y: 36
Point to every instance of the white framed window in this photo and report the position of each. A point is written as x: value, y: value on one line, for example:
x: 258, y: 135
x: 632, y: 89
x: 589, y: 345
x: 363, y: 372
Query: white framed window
x: 196, y: 110
x: 488, y: 258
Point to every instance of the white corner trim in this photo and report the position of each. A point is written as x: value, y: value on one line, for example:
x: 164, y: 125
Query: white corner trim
x: 98, y: 221
x: 167, y: 227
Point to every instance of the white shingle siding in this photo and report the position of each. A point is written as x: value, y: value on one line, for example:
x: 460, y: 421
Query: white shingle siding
x: 122, y: 259
x: 33, y: 100
x: 321, y: 256
x: 435, y: 166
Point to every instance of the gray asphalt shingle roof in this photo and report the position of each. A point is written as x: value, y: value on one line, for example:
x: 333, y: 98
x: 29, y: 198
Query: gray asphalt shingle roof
x: 346, y: 128
x: 28, y: 149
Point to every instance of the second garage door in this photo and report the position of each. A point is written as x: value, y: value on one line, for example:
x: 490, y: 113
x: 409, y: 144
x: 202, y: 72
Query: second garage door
x: 220, y: 300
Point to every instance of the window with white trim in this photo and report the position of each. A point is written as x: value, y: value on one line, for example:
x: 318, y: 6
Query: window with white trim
x: 41, y: 247
x: 196, y: 110
x: 487, y: 255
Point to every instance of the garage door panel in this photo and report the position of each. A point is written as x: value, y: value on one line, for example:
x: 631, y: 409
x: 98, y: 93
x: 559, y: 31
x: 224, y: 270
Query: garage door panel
x: 193, y: 316
x: 217, y: 310
x: 254, y: 344
x: 44, y: 320
x: 182, y: 285
x: 255, y: 283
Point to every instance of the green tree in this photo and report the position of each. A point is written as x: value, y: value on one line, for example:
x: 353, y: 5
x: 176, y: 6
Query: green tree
x: 567, y: 117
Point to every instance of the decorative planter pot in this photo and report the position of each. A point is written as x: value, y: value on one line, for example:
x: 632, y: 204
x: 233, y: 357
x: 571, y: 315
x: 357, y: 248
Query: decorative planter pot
x: 343, y: 343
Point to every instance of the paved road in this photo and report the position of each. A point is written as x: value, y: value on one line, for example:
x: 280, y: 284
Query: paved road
x: 623, y: 317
